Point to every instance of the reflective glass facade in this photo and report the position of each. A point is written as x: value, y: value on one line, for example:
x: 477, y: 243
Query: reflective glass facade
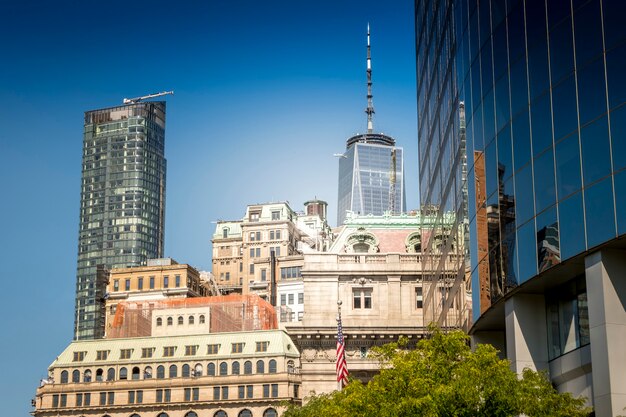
x: 122, y: 205
x: 365, y: 172
x: 541, y: 83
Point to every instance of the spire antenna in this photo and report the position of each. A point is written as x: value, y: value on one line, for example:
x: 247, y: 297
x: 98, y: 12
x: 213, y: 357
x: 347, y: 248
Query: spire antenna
x: 370, y: 105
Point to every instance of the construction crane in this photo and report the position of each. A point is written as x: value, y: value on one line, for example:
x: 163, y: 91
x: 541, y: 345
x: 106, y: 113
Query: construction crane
x: 392, y: 183
x: 142, y: 98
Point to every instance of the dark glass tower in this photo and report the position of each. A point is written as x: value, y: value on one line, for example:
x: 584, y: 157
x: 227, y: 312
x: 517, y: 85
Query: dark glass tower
x: 541, y: 85
x: 122, y: 205
x: 371, y: 170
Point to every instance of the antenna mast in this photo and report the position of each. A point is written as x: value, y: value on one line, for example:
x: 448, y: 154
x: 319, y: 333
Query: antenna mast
x: 392, y: 182
x: 370, y: 106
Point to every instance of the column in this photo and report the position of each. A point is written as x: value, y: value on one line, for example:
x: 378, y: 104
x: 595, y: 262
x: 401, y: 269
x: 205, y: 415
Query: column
x: 526, y: 335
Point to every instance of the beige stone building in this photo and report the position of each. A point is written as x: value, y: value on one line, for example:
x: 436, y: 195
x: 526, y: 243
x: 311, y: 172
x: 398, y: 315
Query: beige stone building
x: 241, y: 374
x: 161, y: 279
x: 374, y: 267
x: 249, y: 255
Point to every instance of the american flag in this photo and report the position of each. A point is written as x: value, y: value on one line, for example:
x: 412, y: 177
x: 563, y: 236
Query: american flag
x: 341, y: 366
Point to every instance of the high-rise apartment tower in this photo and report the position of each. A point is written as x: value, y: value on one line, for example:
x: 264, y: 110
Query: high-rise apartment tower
x: 122, y: 204
x: 371, y: 170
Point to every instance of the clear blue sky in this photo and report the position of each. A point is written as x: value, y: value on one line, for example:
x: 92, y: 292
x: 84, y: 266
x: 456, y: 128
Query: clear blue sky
x: 265, y: 93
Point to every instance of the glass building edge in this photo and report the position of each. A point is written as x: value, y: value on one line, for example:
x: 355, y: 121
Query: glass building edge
x: 122, y: 202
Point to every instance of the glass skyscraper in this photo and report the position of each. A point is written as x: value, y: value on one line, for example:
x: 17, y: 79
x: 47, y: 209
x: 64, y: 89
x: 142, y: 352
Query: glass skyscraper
x: 122, y: 204
x: 371, y: 176
x: 541, y: 86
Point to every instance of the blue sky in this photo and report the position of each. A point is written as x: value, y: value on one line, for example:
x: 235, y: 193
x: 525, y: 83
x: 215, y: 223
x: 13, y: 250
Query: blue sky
x: 265, y: 93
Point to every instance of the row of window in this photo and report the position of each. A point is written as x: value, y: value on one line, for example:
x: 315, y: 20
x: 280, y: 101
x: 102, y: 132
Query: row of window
x: 289, y: 299
x: 181, y: 320
x: 291, y: 272
x: 186, y: 371
x: 151, y: 283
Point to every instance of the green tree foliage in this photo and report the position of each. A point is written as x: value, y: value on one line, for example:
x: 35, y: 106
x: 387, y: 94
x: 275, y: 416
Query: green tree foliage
x: 444, y: 377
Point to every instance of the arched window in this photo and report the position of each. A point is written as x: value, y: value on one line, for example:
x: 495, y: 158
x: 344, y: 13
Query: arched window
x: 170, y: 321
x: 163, y: 415
x: 147, y: 372
x: 76, y: 375
x: 123, y: 373
x: 135, y: 415
x: 159, y: 321
x: 185, y: 371
x: 197, y: 370
x: 247, y: 368
x: 202, y: 322
x: 291, y: 368
x: 136, y: 372
x: 191, y: 319
x: 99, y: 374
x: 220, y: 413
x: 260, y: 367
x: 181, y: 320
x: 245, y: 413
x: 210, y: 369
x: 272, y: 367
x: 270, y: 412
x: 191, y: 414
x: 223, y: 368
x: 64, y: 376
x: 87, y: 375
x: 235, y: 370
x: 173, y: 371
x: 160, y: 372
x: 111, y: 374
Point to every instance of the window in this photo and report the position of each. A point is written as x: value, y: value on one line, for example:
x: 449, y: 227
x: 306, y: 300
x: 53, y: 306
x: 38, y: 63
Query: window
x: 168, y: 351
x: 223, y: 369
x: 274, y: 390
x: 252, y: 268
x: 116, y: 285
x: 291, y: 299
x: 181, y: 320
x: 76, y: 376
x: 177, y: 281
x: 192, y: 413
x: 163, y: 414
x: 101, y: 355
x: 241, y: 391
x: 147, y: 372
x: 237, y: 348
x: 272, y: 366
x: 270, y: 412
x: 159, y: 321
x: 296, y: 390
x: 210, y: 369
x: 249, y: 391
x: 254, y: 216
x: 252, y: 252
x: 247, y: 368
x: 63, y: 400
x: 79, y: 400
x: 275, y: 215
x: 568, y: 317
x: 245, y: 413
x: 225, y: 233
x: 173, y: 371
x: 103, y: 398
x: 55, y: 400
x: 258, y: 235
x: 260, y: 367
x: 300, y: 298
x: 271, y: 235
x: 123, y: 373
x: 263, y: 274
x: 197, y: 370
x: 187, y: 394
x: 186, y: 371
x: 290, y: 272
x: 235, y: 368
x: 163, y: 395
x: 275, y: 251
x: 227, y: 276
x: 147, y: 352
x: 125, y: 353
x: 195, y: 394
x: 220, y: 413
x: 127, y: 285
x: 160, y: 372
x: 166, y: 281
x: 278, y: 235
x: 99, y: 374
x: 170, y: 321
x: 79, y: 356
x: 266, y: 390
x: 111, y: 374
x: 113, y: 308
x: 419, y: 297
x: 87, y: 398
x: 87, y: 376
x: 361, y: 298
x: 252, y: 236
x: 291, y: 369
x: 283, y: 299
x: 64, y: 377
x: 191, y: 350
x: 201, y: 319
x: 211, y: 349
x: 151, y: 283
x: 300, y: 315
x: 262, y: 346
x: 110, y: 398
x: 224, y: 393
x: 131, y: 397
x: 216, y: 393
x: 140, y: 283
